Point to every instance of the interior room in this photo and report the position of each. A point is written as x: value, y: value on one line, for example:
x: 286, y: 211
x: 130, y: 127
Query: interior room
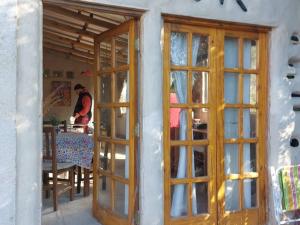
x: 69, y: 62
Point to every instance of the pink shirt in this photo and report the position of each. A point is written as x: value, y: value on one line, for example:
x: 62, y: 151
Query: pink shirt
x: 174, y: 112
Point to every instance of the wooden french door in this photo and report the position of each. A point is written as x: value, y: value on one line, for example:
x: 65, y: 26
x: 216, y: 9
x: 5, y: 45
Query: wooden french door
x: 214, y: 123
x: 114, y: 195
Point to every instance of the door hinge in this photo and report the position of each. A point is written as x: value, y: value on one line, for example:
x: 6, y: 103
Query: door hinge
x: 137, y: 44
x: 137, y: 129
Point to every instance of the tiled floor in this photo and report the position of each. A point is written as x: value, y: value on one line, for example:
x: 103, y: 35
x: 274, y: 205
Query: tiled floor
x: 77, y: 212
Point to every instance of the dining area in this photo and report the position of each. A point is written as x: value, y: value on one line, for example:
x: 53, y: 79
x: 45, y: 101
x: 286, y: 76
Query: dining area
x: 67, y: 161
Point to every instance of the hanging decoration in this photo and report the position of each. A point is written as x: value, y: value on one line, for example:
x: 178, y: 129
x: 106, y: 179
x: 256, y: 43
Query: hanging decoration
x: 239, y: 2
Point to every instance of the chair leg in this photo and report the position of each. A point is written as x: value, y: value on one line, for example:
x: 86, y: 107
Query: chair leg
x: 86, y: 190
x: 72, y: 182
x: 46, y: 184
x: 79, y: 178
x: 55, y: 196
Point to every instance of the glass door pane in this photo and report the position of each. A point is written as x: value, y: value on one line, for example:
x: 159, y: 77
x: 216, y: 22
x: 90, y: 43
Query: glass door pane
x: 116, y: 113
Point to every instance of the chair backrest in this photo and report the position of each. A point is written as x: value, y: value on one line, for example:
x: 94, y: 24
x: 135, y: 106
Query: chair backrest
x: 63, y: 126
x: 49, y: 150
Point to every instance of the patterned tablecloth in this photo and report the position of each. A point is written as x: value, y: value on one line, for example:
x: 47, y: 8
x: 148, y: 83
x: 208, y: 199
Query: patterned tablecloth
x: 76, y: 148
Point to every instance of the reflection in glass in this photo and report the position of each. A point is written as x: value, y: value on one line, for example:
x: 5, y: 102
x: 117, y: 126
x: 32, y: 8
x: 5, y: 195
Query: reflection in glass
x: 200, y: 50
x: 179, y: 201
x: 231, y: 84
x: 121, y: 199
x: 200, y: 123
x: 199, y: 161
x: 232, y: 195
x: 178, y: 85
x: 231, y: 159
x: 200, y: 87
x: 105, y: 55
x: 178, y: 48
x: 250, y: 157
x: 121, y: 50
x: 250, y: 193
x: 105, y: 122
x: 104, y: 192
x: 105, y: 156
x: 231, y: 123
x: 178, y: 118
x: 121, y: 160
x: 178, y: 163
x: 200, y: 198
x: 122, y: 123
x: 231, y: 52
x: 105, y: 88
x: 122, y: 87
x: 250, y: 54
x: 249, y: 123
x: 249, y: 89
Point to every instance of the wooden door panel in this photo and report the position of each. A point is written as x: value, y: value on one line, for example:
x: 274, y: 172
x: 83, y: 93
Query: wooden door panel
x: 114, y: 195
x: 234, y: 158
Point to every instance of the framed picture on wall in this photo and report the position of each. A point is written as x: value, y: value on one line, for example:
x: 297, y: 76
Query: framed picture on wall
x: 70, y: 74
x: 64, y: 92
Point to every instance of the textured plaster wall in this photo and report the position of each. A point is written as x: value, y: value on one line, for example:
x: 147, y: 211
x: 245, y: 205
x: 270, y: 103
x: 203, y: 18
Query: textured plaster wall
x: 283, y: 15
x: 29, y: 113
x: 8, y: 56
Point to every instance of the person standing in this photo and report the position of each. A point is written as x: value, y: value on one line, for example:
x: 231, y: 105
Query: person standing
x: 82, y: 112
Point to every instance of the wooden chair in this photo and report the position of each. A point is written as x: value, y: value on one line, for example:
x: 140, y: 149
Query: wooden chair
x: 51, y: 166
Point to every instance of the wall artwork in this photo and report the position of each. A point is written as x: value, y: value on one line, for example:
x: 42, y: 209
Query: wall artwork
x: 63, y: 92
x: 70, y: 75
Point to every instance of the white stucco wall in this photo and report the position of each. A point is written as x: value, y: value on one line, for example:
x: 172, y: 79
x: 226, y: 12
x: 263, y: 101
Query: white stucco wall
x: 8, y: 55
x: 283, y: 15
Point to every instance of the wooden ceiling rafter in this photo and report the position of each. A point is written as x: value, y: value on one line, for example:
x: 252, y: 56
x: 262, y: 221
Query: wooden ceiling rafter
x: 70, y: 55
x: 101, y: 8
x: 72, y: 44
x: 60, y: 33
x: 69, y: 50
x: 56, y: 25
x: 98, y: 15
x: 77, y: 16
x: 62, y: 21
x: 75, y: 25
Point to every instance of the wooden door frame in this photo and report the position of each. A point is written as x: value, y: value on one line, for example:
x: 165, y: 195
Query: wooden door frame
x: 100, y: 213
x: 262, y: 33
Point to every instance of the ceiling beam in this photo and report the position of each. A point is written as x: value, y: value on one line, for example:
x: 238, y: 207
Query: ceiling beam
x: 73, y: 45
x: 134, y: 12
x: 60, y: 33
x: 71, y: 56
x: 78, y: 16
x: 55, y: 25
x: 69, y: 50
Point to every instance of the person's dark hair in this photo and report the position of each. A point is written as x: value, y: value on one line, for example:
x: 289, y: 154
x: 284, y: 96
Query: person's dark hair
x: 78, y: 86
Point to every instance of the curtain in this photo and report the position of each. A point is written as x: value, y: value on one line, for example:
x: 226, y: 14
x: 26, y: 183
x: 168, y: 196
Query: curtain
x: 179, y: 57
x: 231, y: 120
x: 246, y: 122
